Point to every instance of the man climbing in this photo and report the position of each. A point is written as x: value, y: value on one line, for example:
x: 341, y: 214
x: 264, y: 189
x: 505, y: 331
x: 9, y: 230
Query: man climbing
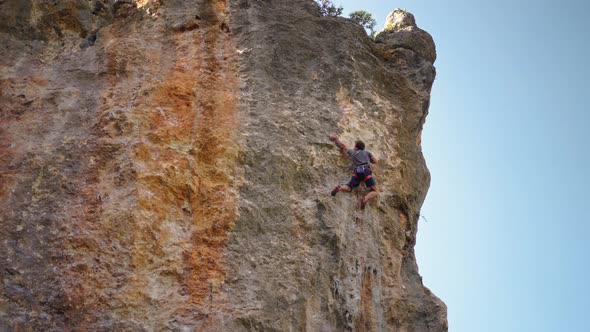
x: 361, y: 162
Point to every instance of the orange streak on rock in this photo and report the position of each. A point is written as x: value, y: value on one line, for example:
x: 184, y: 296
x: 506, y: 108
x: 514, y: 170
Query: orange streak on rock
x: 367, y: 316
x: 403, y: 220
x: 214, y: 205
x: 188, y: 160
x: 6, y: 156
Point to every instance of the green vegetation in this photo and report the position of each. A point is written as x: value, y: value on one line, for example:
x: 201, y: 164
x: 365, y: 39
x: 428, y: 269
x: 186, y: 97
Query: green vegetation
x: 361, y: 17
x: 364, y: 19
x: 327, y: 8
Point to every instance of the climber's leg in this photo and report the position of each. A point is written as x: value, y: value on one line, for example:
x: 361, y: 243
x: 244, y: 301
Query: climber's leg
x: 374, y: 192
x: 346, y: 188
x: 340, y: 187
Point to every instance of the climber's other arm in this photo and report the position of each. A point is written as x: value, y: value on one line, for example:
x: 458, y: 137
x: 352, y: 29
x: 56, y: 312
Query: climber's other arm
x: 373, y: 159
x: 338, y: 143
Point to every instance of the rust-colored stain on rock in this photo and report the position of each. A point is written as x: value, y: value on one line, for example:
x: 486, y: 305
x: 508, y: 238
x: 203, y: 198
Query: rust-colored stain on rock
x: 188, y: 159
x: 366, y: 317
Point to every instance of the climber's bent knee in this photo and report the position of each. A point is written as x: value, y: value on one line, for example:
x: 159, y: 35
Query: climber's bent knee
x: 370, y: 182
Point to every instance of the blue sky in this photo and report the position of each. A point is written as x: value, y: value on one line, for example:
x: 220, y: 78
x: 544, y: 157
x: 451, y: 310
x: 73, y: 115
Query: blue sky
x: 506, y: 141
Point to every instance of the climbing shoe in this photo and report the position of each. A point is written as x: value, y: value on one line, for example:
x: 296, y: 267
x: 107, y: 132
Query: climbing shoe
x: 336, y: 190
x: 363, y: 204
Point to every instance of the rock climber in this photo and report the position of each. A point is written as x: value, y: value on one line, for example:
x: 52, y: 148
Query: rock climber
x: 361, y: 162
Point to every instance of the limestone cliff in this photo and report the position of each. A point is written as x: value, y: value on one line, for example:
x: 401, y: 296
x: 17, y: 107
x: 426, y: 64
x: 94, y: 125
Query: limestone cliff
x: 164, y: 165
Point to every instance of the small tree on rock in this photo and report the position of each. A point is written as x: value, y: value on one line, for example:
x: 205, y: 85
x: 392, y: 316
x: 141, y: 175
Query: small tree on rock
x: 327, y: 8
x: 364, y: 19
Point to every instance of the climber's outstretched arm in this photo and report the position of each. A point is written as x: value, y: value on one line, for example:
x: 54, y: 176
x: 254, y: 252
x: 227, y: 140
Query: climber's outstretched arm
x: 373, y: 159
x: 341, y: 145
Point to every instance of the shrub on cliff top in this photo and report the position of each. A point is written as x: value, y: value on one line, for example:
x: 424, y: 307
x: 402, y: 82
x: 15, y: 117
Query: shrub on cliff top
x: 327, y: 8
x: 364, y: 19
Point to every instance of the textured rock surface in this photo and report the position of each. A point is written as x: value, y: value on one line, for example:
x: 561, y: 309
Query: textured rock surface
x: 164, y: 165
x: 401, y: 31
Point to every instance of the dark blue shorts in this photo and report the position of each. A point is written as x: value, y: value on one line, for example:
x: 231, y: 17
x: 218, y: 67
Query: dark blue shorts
x: 356, y: 179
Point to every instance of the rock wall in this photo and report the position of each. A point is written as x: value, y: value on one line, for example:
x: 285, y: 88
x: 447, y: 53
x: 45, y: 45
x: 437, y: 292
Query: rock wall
x: 164, y: 165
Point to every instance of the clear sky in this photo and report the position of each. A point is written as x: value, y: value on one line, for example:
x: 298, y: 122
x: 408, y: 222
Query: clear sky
x: 508, y: 147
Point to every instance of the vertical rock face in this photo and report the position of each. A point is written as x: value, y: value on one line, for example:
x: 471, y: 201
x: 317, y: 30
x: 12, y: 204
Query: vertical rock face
x: 164, y: 165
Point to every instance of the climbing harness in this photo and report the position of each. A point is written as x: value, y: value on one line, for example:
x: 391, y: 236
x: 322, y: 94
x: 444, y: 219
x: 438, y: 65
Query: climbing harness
x: 359, y: 217
x: 360, y: 172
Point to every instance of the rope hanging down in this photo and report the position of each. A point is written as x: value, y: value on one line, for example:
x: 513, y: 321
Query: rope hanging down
x: 359, y: 217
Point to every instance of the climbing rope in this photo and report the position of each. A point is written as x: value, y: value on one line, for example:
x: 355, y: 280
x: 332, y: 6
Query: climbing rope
x: 359, y: 217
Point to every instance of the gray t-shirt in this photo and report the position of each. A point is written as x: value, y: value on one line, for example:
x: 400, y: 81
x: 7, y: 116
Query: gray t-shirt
x: 359, y: 157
